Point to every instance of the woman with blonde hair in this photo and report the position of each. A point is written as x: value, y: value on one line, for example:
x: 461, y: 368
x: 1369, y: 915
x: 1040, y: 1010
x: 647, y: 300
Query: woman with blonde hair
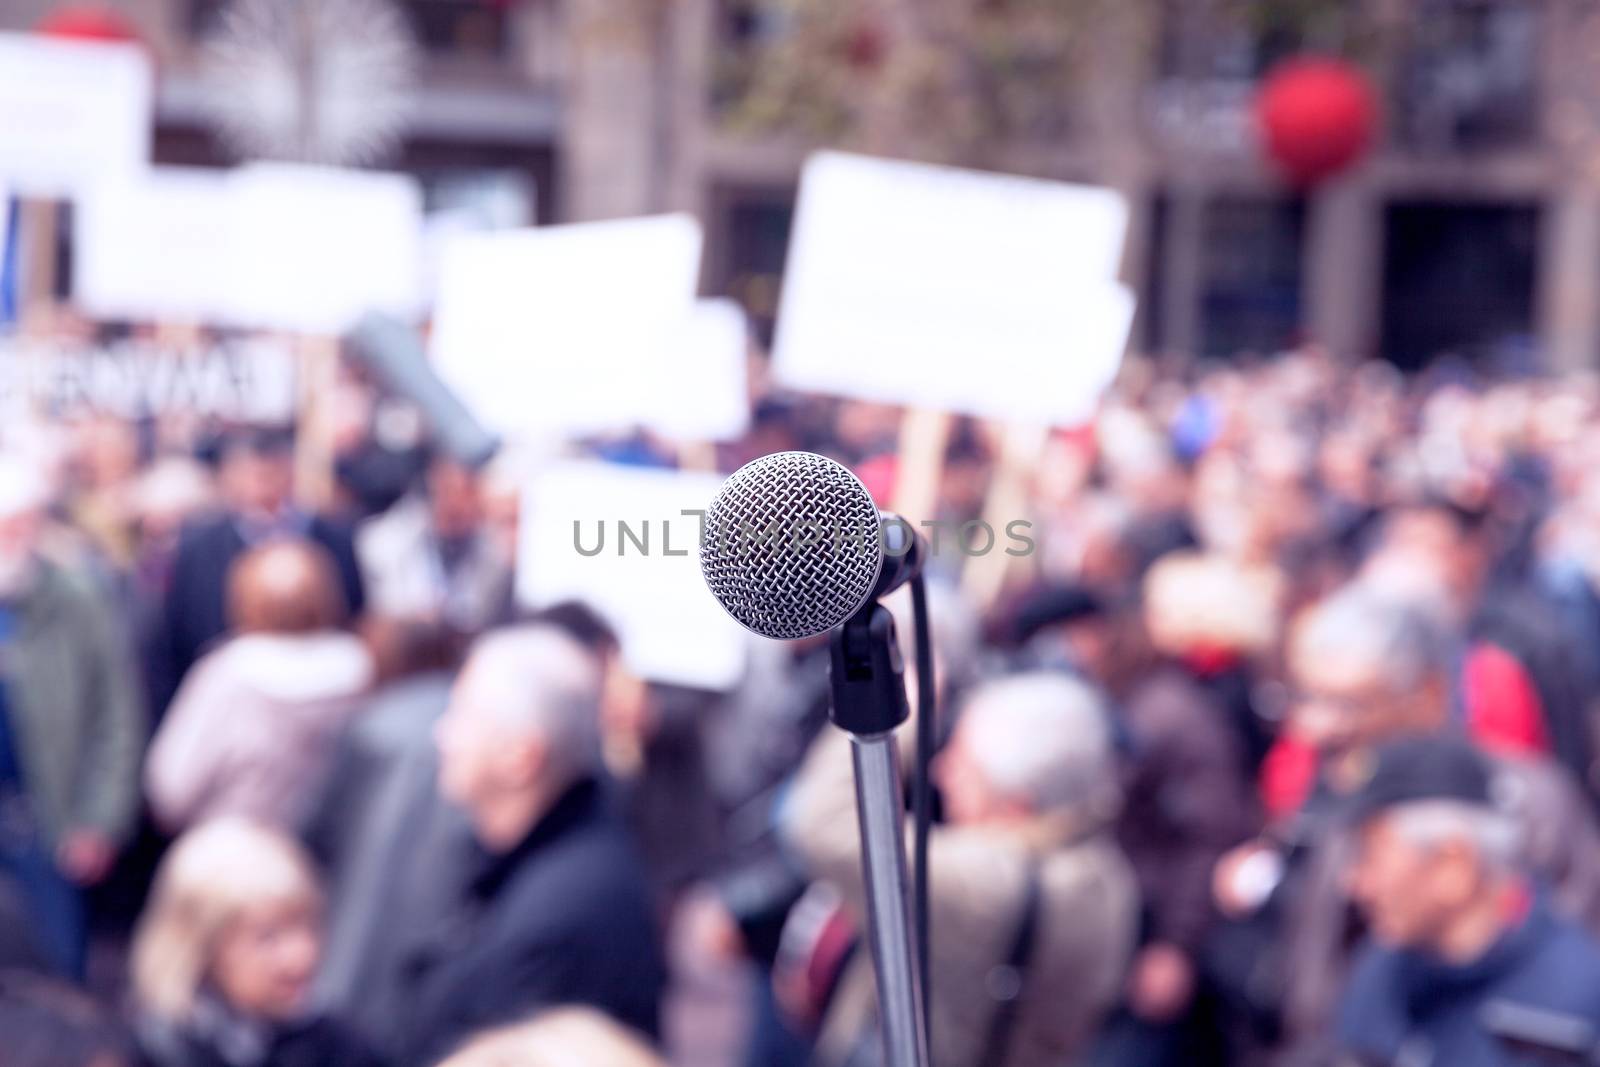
x: 225, y: 955
x: 563, y: 1037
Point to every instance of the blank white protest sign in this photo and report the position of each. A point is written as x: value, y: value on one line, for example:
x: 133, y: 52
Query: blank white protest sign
x: 266, y: 246
x: 157, y: 247
x: 701, y: 390
x: 953, y: 290
x: 5, y: 231
x: 671, y: 628
x: 71, y: 112
x: 563, y: 329
x: 325, y: 246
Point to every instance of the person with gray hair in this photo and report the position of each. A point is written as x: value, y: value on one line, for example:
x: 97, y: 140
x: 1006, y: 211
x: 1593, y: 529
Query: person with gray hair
x: 558, y: 911
x: 1369, y: 666
x: 1034, y: 743
x: 1032, y: 902
x: 1370, y: 669
x: 1465, y: 960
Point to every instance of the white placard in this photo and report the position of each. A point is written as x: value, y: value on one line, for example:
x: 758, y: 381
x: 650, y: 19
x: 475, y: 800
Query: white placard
x: 267, y: 246
x: 1070, y: 387
x: 573, y: 547
x: 702, y: 389
x: 157, y: 247
x: 324, y: 246
x: 5, y: 248
x: 986, y: 294
x: 562, y: 329
x: 71, y: 112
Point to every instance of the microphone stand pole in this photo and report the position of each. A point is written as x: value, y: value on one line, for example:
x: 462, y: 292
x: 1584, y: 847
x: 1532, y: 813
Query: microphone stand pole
x: 869, y: 702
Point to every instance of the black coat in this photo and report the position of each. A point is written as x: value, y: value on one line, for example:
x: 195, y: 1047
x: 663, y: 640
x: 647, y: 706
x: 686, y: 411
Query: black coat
x: 564, y: 918
x: 196, y: 612
x: 19, y: 948
x: 398, y: 857
x: 320, y: 1042
x: 1533, y: 629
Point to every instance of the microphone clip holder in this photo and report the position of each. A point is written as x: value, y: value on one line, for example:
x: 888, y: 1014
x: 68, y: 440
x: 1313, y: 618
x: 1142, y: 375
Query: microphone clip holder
x: 868, y: 674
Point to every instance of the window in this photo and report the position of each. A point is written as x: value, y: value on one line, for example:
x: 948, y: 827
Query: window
x: 1468, y: 77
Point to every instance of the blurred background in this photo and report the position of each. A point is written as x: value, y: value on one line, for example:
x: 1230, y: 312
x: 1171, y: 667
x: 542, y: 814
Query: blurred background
x: 365, y: 365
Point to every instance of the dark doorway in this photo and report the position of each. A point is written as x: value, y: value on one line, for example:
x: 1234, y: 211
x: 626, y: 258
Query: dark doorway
x: 748, y: 244
x: 1458, y: 280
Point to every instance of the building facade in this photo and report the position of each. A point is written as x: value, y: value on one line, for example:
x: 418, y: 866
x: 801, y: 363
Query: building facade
x: 1472, y: 227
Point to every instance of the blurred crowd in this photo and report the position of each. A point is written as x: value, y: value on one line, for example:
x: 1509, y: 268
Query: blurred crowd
x: 1279, y: 748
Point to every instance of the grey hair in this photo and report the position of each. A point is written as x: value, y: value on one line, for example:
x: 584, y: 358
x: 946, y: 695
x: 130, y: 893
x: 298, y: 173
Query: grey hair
x: 1408, y: 645
x: 1430, y: 823
x: 537, y: 680
x: 1043, y: 738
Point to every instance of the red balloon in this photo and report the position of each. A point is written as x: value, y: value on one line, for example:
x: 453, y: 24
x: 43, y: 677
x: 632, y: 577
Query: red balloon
x: 87, y: 22
x: 1316, y: 116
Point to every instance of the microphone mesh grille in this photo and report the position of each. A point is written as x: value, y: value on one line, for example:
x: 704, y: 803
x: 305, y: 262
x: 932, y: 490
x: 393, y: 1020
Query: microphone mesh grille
x: 791, y: 545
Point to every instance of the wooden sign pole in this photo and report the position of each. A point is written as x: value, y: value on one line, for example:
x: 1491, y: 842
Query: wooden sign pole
x: 984, y: 577
x: 39, y: 221
x: 697, y: 456
x: 924, y: 434
x: 318, y: 378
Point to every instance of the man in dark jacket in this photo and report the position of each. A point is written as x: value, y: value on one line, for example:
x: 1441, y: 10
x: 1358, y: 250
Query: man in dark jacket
x: 1370, y: 671
x: 558, y: 910
x: 380, y: 810
x: 257, y: 479
x: 1467, y: 965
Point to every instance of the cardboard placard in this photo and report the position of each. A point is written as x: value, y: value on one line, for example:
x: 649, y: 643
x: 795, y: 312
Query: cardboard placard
x: 267, y: 246
x: 618, y: 539
x: 325, y: 246
x: 160, y: 247
x: 702, y: 386
x: 953, y: 290
x: 74, y: 113
x: 573, y: 330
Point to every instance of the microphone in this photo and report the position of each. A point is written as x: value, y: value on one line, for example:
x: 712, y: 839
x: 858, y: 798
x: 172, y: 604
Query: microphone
x: 793, y: 545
